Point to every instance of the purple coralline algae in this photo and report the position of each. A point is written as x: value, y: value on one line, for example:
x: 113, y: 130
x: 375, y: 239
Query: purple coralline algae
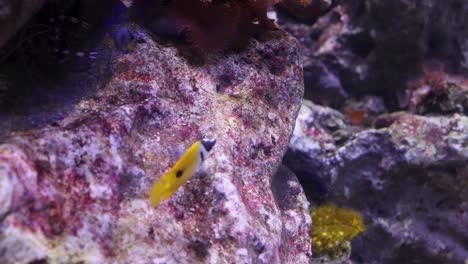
x: 77, y: 190
x: 407, y: 175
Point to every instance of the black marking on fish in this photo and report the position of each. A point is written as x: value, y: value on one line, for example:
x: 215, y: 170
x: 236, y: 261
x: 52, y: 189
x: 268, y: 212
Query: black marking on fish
x: 179, y: 173
x: 208, y: 144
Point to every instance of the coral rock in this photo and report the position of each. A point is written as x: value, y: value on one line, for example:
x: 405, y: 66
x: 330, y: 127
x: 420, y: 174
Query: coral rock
x: 375, y: 46
x: 77, y: 191
x: 305, y: 12
x: 408, y: 176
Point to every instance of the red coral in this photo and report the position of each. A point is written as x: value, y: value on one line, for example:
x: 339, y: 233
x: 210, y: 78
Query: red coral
x: 211, y: 25
x: 305, y: 11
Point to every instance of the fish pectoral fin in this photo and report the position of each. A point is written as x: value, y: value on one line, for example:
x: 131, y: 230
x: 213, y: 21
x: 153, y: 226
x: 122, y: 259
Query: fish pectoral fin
x: 159, y: 197
x: 167, y: 194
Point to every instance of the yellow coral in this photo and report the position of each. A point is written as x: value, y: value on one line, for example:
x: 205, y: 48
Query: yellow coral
x: 333, y: 227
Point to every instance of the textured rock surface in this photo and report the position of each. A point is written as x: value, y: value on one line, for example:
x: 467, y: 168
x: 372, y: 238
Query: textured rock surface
x: 405, y: 171
x: 408, y: 176
x: 438, y: 91
x: 76, y: 190
x: 13, y: 14
x: 376, y: 47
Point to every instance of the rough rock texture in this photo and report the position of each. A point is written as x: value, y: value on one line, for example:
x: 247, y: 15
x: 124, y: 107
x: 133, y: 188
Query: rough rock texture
x: 376, y: 47
x: 14, y: 13
x: 438, y: 92
x: 408, y: 176
x: 76, y: 190
x: 405, y: 171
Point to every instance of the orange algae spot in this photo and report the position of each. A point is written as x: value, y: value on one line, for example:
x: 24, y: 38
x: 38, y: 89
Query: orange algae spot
x: 355, y: 116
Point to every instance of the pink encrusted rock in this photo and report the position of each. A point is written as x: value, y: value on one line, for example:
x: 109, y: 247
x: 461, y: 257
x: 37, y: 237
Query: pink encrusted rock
x: 77, y: 191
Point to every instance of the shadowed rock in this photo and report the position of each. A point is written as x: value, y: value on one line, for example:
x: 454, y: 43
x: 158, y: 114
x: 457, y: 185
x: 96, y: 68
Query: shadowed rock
x: 13, y: 15
x: 408, y: 176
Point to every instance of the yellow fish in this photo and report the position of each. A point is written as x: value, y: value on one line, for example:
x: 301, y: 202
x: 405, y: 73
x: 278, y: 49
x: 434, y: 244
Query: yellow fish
x: 181, y: 172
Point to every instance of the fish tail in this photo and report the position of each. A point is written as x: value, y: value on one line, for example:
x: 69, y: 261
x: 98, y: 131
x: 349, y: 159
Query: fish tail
x: 159, y: 193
